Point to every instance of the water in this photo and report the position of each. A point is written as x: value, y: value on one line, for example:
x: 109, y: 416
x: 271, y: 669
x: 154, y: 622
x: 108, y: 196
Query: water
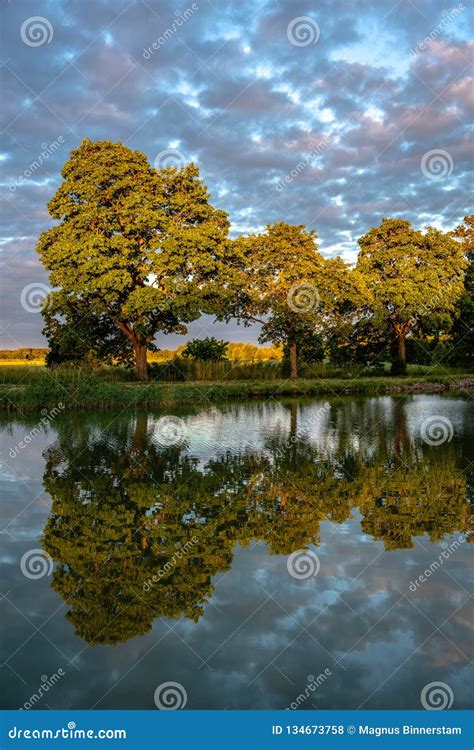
x: 139, y: 549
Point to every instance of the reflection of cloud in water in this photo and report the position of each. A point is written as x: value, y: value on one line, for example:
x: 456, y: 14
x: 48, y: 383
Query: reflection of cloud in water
x: 243, y: 428
x: 357, y: 487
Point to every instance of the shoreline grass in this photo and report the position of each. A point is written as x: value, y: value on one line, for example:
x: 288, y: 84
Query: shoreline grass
x: 82, y: 390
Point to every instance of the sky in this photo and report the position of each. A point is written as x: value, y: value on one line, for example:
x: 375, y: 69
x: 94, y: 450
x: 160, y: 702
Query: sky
x: 331, y: 114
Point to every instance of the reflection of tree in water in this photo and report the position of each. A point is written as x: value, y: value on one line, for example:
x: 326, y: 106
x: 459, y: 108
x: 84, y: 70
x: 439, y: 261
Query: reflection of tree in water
x: 410, y: 491
x: 125, y: 508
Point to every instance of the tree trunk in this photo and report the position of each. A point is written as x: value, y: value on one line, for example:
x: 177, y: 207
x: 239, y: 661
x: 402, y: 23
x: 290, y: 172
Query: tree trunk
x: 141, y: 431
x: 141, y: 364
x: 293, y: 360
x: 139, y: 344
x: 399, y: 363
x: 293, y: 420
x: 401, y: 437
x: 401, y: 346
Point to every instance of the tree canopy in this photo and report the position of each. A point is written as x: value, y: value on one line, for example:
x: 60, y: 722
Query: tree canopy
x: 143, y: 246
x: 138, y: 251
x: 411, y: 276
x: 206, y: 350
x: 290, y: 288
x: 77, y: 336
x: 462, y: 350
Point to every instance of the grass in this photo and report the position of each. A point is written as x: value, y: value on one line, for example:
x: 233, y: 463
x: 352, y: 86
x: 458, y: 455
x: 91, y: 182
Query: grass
x: 182, y: 370
x: 27, y: 389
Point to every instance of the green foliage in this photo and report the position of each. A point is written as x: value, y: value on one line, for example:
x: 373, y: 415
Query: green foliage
x: 461, y: 344
x: 78, y: 337
x: 137, y: 252
x: 143, y: 247
x: 206, y: 350
x: 310, y: 351
x: 358, y: 341
x: 311, y: 348
x: 411, y: 276
x: 186, y: 369
x: 293, y: 291
x: 34, y: 388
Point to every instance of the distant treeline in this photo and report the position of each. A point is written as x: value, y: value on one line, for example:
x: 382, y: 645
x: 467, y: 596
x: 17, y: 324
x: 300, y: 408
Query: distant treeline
x: 235, y: 352
x: 24, y: 353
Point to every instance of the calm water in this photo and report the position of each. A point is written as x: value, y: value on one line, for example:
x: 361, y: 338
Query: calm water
x: 212, y: 503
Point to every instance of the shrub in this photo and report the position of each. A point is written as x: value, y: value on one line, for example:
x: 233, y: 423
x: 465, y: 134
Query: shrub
x: 206, y: 350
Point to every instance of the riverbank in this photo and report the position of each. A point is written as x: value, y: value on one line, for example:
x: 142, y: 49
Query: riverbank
x: 79, y: 390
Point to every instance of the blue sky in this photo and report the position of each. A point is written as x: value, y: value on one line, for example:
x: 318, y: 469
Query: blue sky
x: 331, y: 114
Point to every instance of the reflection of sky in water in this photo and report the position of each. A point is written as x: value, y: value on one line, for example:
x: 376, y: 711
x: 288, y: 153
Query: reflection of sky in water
x: 247, y: 427
x: 262, y: 632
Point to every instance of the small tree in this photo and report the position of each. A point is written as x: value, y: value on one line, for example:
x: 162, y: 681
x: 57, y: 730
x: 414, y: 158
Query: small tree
x: 290, y: 288
x: 140, y: 246
x: 411, y: 276
x: 206, y: 350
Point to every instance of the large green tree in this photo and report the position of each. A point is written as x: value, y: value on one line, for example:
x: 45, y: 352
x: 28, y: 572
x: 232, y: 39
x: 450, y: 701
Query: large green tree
x: 412, y: 276
x: 142, y: 246
x: 290, y: 288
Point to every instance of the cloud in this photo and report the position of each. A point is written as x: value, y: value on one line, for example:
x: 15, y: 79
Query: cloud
x: 246, y: 104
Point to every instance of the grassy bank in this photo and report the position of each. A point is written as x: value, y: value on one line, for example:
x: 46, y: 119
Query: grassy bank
x: 38, y: 388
